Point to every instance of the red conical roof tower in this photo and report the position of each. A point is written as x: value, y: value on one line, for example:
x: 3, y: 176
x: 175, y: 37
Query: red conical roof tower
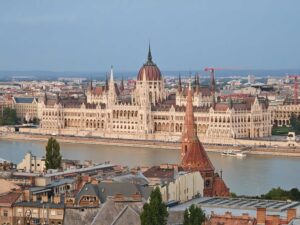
x: 193, y: 155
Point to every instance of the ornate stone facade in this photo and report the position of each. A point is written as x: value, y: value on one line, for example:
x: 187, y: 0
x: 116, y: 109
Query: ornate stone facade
x: 150, y: 112
x: 282, y: 113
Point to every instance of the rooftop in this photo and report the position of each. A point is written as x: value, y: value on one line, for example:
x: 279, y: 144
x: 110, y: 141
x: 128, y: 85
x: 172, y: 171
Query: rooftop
x: 24, y: 99
x: 9, y: 199
x: 40, y: 204
x: 238, y: 206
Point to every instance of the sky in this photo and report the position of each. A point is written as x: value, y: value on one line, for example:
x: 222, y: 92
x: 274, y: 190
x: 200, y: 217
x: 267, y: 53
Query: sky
x: 92, y: 35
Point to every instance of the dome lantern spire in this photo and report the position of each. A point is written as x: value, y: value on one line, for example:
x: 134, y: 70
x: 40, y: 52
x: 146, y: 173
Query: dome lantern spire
x: 149, y: 54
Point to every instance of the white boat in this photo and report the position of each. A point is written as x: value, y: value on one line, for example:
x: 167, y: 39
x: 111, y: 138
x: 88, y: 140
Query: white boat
x: 235, y: 153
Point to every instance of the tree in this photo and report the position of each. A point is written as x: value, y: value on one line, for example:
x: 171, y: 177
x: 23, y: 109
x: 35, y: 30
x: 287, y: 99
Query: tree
x: 281, y: 194
x: 9, y: 117
x: 295, y: 123
x: 155, y: 212
x: 193, y: 216
x: 53, y: 156
x: 36, y: 121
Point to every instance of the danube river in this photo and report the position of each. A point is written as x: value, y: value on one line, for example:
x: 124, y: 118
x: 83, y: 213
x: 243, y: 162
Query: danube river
x: 251, y: 175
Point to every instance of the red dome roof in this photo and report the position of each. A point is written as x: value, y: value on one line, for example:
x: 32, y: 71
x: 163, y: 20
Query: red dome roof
x: 151, y: 70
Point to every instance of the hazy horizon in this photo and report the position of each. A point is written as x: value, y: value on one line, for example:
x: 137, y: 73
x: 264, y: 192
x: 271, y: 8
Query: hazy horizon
x: 71, y: 35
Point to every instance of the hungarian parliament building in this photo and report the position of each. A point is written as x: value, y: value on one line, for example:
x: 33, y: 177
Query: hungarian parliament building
x: 150, y: 112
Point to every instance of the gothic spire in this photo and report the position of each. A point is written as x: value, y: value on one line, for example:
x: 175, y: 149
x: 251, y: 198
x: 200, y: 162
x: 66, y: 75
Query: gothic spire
x: 111, y: 74
x: 106, y: 83
x: 179, y: 85
x: 91, y: 85
x: 197, y: 83
x: 122, y: 84
x: 189, y: 126
x: 149, y: 54
x: 45, y: 98
x: 230, y: 103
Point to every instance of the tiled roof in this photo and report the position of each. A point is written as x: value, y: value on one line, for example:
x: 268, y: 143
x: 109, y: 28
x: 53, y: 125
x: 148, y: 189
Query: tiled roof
x: 118, y: 213
x: 158, y: 172
x: 109, y: 189
x: 6, y: 186
x: 9, y: 199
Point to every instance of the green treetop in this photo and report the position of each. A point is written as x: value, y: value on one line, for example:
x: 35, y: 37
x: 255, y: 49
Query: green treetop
x: 53, y: 156
x: 8, y: 117
x: 193, y: 216
x: 155, y: 212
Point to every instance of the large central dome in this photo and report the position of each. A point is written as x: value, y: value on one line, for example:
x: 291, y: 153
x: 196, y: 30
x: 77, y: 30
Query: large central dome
x: 152, y: 71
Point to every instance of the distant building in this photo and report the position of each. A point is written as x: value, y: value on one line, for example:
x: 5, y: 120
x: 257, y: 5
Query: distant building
x: 251, y: 79
x: 175, y: 184
x: 26, y: 108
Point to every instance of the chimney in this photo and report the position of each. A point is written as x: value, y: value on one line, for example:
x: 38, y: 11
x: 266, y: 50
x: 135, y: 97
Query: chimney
x: 45, y: 198
x: 291, y: 214
x: 245, y: 216
x: 56, y: 199
x: 26, y: 195
x: 261, y: 216
x: 228, y: 214
x: 275, y: 219
x: 34, y: 198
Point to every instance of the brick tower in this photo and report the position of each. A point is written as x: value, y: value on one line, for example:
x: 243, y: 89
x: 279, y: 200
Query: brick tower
x: 195, y: 158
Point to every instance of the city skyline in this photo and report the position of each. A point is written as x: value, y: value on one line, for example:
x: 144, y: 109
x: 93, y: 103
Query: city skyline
x: 72, y: 36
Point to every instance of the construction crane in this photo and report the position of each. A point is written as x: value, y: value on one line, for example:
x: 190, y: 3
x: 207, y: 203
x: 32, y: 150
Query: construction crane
x: 295, y: 77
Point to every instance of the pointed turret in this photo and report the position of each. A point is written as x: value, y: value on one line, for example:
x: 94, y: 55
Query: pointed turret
x: 267, y: 101
x: 45, y: 98
x: 111, y: 80
x: 122, y: 85
x: 112, y: 95
x: 179, y: 85
x: 111, y: 74
x: 213, y: 102
x: 193, y: 155
x: 197, y: 84
x: 90, y: 86
x: 230, y: 103
x: 57, y: 98
x: 106, y: 83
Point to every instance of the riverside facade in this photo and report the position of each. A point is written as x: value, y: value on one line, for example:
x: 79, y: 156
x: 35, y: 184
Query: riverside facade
x: 149, y: 112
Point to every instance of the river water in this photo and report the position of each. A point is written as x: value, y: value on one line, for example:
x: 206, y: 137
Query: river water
x: 252, y: 175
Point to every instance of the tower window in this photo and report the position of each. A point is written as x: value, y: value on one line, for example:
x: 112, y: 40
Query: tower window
x: 207, y: 183
x: 185, y: 149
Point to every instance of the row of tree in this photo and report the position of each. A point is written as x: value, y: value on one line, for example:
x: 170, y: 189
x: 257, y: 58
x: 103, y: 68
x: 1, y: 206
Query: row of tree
x: 275, y: 194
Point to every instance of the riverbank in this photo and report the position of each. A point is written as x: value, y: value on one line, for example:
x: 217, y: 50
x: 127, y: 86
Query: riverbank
x: 279, y: 151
